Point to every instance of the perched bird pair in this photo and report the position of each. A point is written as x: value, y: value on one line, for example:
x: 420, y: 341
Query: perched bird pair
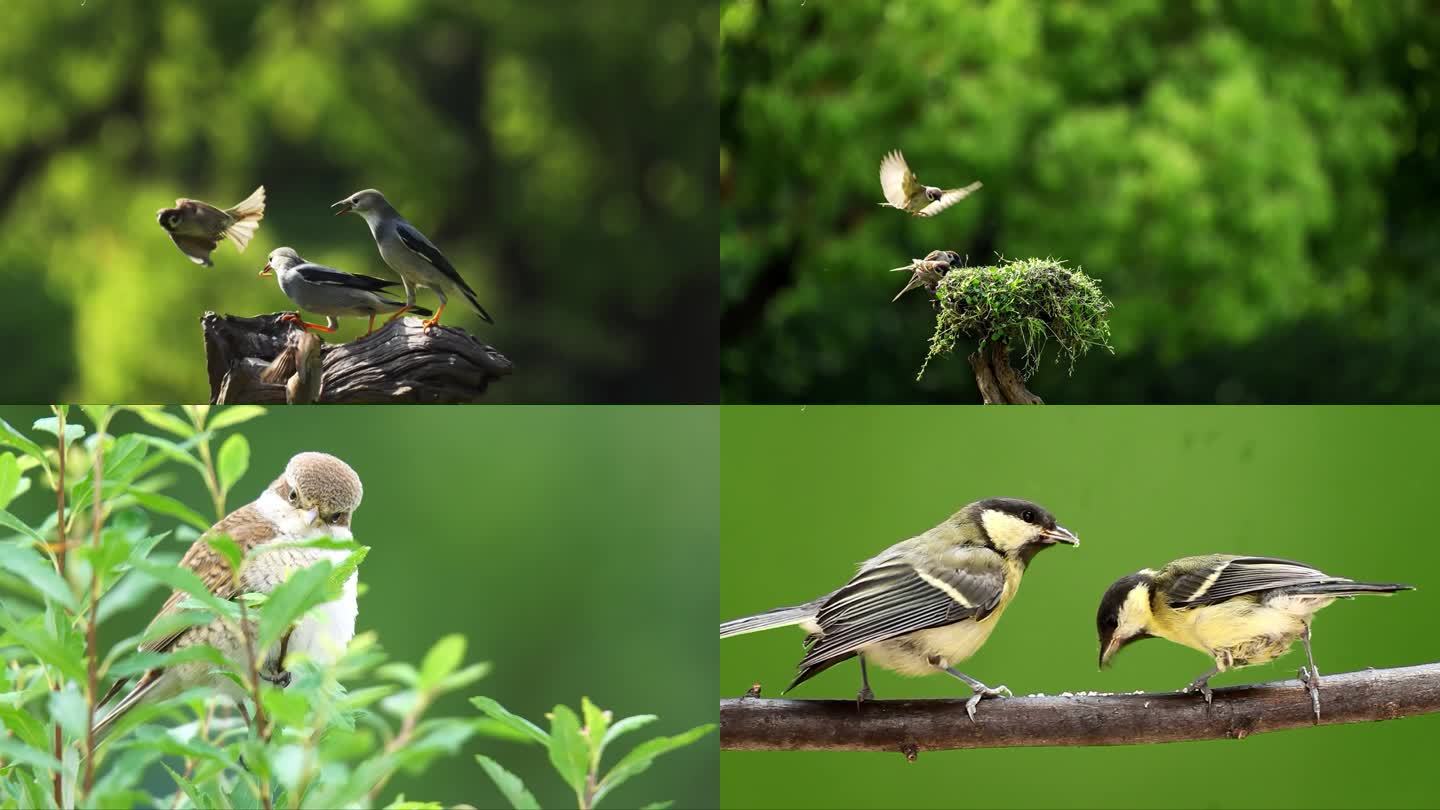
x: 315, y: 497
x: 928, y: 271
x: 330, y: 292
x: 927, y: 603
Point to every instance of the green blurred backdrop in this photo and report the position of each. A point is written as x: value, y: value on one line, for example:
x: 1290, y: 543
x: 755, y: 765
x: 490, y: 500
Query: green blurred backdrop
x: 565, y: 543
x: 810, y: 492
x: 1253, y: 182
x: 558, y: 152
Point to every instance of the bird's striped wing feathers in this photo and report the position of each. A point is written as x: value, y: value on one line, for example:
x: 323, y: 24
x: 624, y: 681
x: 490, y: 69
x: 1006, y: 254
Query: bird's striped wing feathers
x: 897, y: 181
x: 949, y: 198
x: 1227, y: 577
x: 418, y: 244
x: 896, y: 598
x: 329, y: 276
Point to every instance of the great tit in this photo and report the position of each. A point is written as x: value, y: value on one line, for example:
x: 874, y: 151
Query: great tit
x: 924, y: 604
x: 1237, y: 610
x: 904, y: 190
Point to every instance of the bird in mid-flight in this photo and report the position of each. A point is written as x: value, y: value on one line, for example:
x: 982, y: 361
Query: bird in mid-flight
x: 330, y: 292
x: 904, y: 190
x: 413, y: 257
x: 1237, y: 610
x: 196, y: 227
x: 928, y: 271
x: 924, y: 604
x: 314, y: 497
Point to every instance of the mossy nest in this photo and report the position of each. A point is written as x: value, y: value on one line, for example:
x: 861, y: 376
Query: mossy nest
x: 1024, y: 305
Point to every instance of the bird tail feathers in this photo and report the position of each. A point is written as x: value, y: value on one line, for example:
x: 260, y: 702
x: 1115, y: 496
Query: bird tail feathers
x: 1351, y: 588
x: 146, y: 685
x: 247, y: 215
x: 474, y: 302
x: 779, y: 617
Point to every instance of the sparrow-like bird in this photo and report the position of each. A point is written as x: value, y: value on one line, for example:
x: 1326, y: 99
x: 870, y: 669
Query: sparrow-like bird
x: 413, y: 257
x: 197, y: 227
x: 330, y: 292
x: 904, y: 190
x: 924, y: 604
x: 1237, y: 610
x: 928, y: 271
x: 315, y: 497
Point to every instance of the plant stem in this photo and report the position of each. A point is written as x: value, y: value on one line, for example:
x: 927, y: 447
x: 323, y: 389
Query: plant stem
x: 60, y: 569
x: 190, y: 761
x: 407, y: 729
x: 212, y: 482
x: 92, y: 678
x: 261, y: 727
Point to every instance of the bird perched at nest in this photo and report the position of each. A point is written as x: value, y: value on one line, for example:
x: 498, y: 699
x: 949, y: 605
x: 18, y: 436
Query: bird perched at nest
x: 928, y: 271
x: 924, y: 604
x: 413, y: 257
x: 1237, y: 610
x: 196, y: 227
x: 314, y: 497
x: 904, y: 190
x: 330, y: 292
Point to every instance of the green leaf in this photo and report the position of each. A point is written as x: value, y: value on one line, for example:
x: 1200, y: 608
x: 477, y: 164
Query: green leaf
x: 183, y: 579
x: 568, y: 752
x: 166, y: 505
x: 302, y: 590
x: 597, y: 722
x: 51, y: 425
x: 144, y: 660
x: 644, y: 754
x: 233, y: 461
x: 43, y: 645
x: 625, y: 726
x: 658, y: 806
x: 399, y: 671
x: 227, y: 548
x: 67, y: 707
x: 344, y: 570
x: 176, y: 452
x: 509, y: 784
x: 26, y: 725
x: 234, y: 415
x: 157, y: 416
x: 122, y: 463
x: 464, y: 677
x: 15, y: 752
x: 9, y: 479
x: 13, y: 438
x: 191, y: 792
x: 515, y: 722
x: 26, y: 563
x: 10, y: 521
x: 442, y: 659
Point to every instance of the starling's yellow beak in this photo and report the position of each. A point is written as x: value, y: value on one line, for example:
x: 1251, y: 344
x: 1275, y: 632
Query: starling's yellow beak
x: 267, y: 270
x: 344, y: 207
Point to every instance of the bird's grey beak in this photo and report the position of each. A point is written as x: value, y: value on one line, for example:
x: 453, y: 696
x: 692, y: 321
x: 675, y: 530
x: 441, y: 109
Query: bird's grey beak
x: 1060, y: 534
x: 311, y: 516
x: 344, y: 207
x: 267, y: 270
x: 1107, y: 652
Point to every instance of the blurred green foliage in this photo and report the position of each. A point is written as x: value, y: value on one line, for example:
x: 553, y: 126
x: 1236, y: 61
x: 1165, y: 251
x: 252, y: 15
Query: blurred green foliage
x: 1251, y: 182
x: 809, y: 492
x: 561, y: 545
x: 553, y: 150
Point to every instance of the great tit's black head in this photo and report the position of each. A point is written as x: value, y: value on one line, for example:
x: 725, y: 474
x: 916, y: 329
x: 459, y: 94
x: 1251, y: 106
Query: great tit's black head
x: 1019, y: 528
x: 1124, y: 614
x: 169, y: 218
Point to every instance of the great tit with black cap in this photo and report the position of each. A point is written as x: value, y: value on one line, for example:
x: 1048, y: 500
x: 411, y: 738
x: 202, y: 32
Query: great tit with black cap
x: 924, y: 604
x: 1237, y: 610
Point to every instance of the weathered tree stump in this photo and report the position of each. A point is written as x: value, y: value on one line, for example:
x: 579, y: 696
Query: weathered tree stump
x: 269, y: 360
x: 999, y: 382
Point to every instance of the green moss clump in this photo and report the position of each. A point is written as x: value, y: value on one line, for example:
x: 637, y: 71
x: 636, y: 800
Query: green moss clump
x: 1022, y: 304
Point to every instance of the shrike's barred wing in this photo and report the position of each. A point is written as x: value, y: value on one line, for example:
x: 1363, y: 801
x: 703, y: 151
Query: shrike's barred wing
x: 949, y: 198
x: 895, y: 598
x: 897, y: 181
x: 1224, y: 577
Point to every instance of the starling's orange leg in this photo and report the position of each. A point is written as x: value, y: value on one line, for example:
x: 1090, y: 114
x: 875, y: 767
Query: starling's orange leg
x: 401, y: 311
x: 294, y: 317
x: 429, y: 323
x: 372, y: 325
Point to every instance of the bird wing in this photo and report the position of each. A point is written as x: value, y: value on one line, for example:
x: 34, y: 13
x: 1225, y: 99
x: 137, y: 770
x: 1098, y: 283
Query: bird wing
x: 897, y: 181
x: 198, y: 248
x: 1224, y: 577
x: 329, y: 276
x: 895, y: 598
x: 246, y: 528
x: 425, y: 249
x: 949, y: 198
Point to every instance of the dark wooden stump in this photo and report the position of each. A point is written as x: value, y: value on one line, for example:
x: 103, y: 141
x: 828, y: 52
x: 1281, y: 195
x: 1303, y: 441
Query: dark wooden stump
x: 268, y: 360
x: 999, y: 382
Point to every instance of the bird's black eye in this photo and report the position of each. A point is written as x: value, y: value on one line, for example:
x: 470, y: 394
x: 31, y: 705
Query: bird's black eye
x: 294, y: 496
x: 1028, y: 515
x: 337, y: 517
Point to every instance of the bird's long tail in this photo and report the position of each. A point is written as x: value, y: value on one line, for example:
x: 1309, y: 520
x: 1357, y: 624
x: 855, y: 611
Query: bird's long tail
x: 779, y: 617
x: 1345, y: 588
x: 474, y: 302
x: 247, y: 215
x: 145, y: 686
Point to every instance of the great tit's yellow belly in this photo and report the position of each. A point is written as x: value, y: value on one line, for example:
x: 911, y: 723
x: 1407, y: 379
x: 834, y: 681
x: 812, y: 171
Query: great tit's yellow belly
x: 1241, y: 632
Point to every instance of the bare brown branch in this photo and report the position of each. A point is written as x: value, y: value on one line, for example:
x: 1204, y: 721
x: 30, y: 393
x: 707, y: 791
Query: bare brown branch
x: 998, y: 381
x: 400, y: 362
x: 1074, y: 720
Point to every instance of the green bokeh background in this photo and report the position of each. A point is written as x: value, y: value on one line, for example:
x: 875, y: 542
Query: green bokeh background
x: 575, y: 548
x: 1252, y: 182
x: 809, y: 492
x: 557, y: 152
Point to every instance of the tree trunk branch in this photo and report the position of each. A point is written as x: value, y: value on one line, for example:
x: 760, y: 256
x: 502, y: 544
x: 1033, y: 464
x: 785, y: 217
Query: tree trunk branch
x: 999, y: 382
x: 911, y: 726
x: 254, y: 360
